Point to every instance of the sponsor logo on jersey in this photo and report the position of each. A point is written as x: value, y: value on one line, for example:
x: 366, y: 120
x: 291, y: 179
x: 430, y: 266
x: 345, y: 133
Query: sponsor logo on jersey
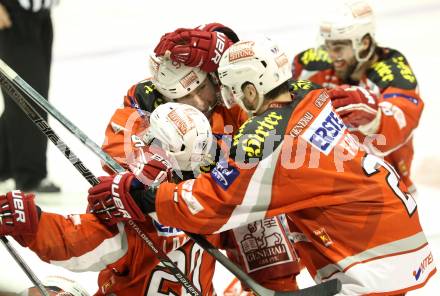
x: 241, y: 50
x: 301, y: 124
x: 326, y: 130
x: 183, y: 125
x: 405, y: 69
x: 163, y: 230
x: 301, y: 84
x: 321, y: 99
x: 316, y: 55
x: 384, y: 71
x: 189, y: 79
x: 263, y: 244
x: 253, y: 143
x: 224, y: 174
x: 428, y: 260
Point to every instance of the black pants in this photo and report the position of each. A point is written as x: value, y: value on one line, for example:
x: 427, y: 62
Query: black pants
x: 27, y: 48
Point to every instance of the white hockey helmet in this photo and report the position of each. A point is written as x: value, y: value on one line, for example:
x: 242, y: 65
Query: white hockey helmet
x: 172, y: 79
x: 184, y: 133
x: 352, y: 21
x: 261, y: 63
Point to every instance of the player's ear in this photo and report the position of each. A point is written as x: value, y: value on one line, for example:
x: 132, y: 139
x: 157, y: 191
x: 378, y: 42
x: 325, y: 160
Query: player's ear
x: 249, y: 91
x: 366, y: 42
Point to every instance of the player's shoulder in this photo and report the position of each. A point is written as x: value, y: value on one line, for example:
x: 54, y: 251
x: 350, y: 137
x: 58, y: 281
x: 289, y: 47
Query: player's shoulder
x: 260, y: 135
x: 300, y: 88
x: 143, y: 95
x: 314, y: 59
x: 392, y: 70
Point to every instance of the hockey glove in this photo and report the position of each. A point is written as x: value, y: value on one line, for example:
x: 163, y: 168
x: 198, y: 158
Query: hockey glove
x: 18, y: 214
x: 195, y: 48
x: 150, y: 167
x: 111, y: 200
x: 357, y: 107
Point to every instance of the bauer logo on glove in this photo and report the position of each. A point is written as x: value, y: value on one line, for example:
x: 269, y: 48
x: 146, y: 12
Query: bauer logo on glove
x: 18, y: 214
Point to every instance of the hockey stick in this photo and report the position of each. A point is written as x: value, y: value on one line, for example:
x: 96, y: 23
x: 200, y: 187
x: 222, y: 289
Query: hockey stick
x: 324, y: 289
x: 27, y: 270
x: 5, y: 81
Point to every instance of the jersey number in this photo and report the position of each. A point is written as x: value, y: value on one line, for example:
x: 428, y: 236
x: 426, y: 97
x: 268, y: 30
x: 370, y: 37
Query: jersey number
x: 371, y: 165
x: 159, y: 278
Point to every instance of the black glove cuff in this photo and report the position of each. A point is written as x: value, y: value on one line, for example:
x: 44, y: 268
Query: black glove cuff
x: 145, y: 199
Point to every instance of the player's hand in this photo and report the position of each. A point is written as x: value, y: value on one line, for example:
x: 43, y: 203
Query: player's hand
x: 5, y: 20
x: 18, y: 214
x: 111, y: 200
x: 194, y: 48
x: 357, y: 107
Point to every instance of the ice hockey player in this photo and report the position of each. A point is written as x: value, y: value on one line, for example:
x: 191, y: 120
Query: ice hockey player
x: 382, y: 105
x: 296, y: 156
x: 84, y: 243
x: 173, y: 81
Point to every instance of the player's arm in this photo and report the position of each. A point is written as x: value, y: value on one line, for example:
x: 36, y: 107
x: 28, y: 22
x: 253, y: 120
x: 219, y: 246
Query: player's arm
x: 123, y: 135
x: 401, y: 110
x: 75, y: 242
x: 394, y: 113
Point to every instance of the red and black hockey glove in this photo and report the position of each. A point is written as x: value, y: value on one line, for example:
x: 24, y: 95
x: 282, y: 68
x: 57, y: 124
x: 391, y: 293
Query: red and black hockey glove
x: 18, y: 214
x: 120, y: 198
x: 357, y: 107
x: 195, y: 47
x: 111, y: 200
x: 150, y: 166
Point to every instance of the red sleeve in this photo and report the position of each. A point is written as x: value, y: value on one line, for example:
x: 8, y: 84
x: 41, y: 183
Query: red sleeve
x: 123, y: 134
x: 201, y: 205
x: 68, y: 241
x: 401, y: 110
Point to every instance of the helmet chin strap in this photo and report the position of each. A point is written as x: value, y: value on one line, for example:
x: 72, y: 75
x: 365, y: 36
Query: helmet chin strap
x: 361, y: 61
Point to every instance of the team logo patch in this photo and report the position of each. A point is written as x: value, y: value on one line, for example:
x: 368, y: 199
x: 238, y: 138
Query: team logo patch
x: 224, y: 174
x: 326, y: 130
x: 323, y: 236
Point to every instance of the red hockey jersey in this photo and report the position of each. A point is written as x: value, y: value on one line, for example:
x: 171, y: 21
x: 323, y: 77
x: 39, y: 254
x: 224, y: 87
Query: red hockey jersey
x: 359, y: 222
x: 125, y: 263
x: 393, y: 81
x: 124, y: 136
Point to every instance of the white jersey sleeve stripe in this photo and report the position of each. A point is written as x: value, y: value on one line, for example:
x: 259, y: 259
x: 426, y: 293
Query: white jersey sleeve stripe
x: 258, y: 194
x: 109, y: 251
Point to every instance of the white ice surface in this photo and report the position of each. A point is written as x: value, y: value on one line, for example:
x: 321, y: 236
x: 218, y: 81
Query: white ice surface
x: 101, y: 49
